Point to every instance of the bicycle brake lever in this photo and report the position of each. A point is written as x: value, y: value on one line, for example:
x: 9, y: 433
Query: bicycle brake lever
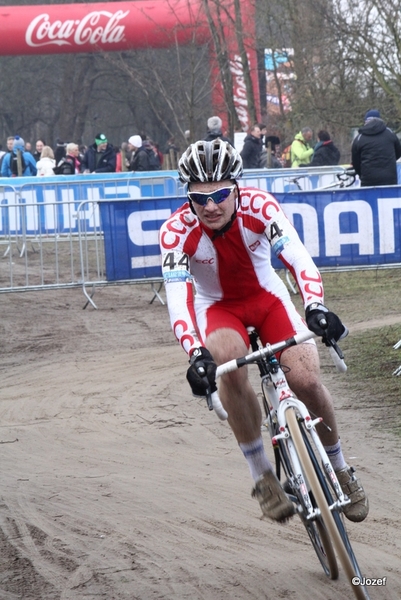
x: 337, y: 356
x: 333, y: 344
x: 209, y: 398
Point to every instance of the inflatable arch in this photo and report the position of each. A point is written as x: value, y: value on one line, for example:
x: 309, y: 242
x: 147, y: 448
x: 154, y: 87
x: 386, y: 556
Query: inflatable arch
x: 118, y: 26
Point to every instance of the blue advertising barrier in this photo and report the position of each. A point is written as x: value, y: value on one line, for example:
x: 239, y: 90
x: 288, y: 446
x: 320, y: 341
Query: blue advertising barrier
x: 131, y: 236
x: 41, y: 193
x: 356, y: 227
x: 48, y: 204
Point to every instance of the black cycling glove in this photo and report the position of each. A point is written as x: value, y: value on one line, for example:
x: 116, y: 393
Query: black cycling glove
x: 324, y: 323
x: 201, y: 374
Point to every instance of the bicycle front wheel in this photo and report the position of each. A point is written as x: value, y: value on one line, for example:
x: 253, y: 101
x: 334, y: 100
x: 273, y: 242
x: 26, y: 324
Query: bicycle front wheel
x: 315, y: 528
x: 326, y: 514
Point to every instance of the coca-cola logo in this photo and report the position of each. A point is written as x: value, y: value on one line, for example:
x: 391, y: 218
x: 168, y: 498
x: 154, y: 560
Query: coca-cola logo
x: 97, y: 27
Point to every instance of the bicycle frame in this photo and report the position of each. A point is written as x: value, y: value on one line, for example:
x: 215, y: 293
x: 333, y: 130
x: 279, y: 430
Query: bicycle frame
x: 281, y: 401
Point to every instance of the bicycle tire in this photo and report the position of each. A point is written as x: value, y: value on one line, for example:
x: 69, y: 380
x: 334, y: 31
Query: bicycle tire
x: 321, y: 542
x: 315, y: 529
x: 329, y: 494
x: 326, y: 514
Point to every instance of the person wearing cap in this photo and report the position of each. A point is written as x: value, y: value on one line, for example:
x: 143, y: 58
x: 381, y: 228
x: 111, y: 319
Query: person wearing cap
x: 100, y: 157
x: 214, y: 130
x: 375, y: 151
x: 59, y: 150
x: 140, y: 158
x: 325, y: 152
x: 19, y: 162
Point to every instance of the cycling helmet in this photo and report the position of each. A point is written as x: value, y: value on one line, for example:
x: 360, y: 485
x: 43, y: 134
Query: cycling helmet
x: 209, y: 161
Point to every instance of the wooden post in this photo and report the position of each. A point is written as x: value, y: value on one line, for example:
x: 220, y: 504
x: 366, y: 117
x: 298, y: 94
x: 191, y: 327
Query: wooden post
x: 19, y: 163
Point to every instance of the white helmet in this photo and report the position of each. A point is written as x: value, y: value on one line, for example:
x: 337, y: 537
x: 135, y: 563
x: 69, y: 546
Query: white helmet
x: 210, y: 161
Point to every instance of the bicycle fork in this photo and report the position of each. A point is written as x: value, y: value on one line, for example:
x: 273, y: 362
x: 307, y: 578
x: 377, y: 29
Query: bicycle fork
x: 281, y: 399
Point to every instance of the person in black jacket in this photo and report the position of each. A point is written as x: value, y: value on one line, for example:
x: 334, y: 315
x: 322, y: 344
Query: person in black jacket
x: 251, y: 152
x: 375, y: 152
x: 325, y: 152
x: 214, y: 130
x: 100, y: 157
x: 70, y: 163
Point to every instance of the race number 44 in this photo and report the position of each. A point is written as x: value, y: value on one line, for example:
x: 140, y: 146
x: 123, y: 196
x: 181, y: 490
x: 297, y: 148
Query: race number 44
x: 175, y: 261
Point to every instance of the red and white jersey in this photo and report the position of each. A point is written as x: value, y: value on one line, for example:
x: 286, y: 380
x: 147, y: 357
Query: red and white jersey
x: 233, y: 267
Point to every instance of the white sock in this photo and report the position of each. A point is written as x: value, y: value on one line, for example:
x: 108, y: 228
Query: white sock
x: 256, y: 457
x: 336, y: 456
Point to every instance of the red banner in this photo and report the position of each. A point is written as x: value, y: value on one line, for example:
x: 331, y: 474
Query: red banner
x: 114, y: 26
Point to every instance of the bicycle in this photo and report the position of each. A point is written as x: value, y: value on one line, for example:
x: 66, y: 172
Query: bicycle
x: 345, y: 179
x: 310, y: 480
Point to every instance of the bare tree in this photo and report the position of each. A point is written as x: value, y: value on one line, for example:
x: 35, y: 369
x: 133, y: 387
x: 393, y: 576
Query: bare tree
x: 370, y: 34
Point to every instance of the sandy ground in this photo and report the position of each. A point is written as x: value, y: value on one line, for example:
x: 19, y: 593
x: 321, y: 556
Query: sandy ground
x: 116, y: 485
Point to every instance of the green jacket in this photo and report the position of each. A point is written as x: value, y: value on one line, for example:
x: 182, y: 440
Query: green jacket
x: 301, y: 151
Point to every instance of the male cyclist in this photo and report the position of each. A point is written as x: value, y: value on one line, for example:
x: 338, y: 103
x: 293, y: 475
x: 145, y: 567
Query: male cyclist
x: 220, y: 242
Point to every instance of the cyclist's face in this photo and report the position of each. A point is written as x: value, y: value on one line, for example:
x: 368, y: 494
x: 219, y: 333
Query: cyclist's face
x: 214, y: 216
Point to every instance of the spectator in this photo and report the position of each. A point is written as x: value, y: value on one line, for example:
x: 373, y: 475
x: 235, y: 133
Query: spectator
x: 18, y: 162
x: 375, y: 152
x: 171, y: 145
x: 263, y: 133
x: 28, y: 147
x: 272, y: 144
x: 70, y: 163
x: 38, y: 149
x: 10, y: 142
x: 100, y: 157
x: 46, y: 164
x: 82, y: 150
x: 263, y: 152
x: 60, y: 150
x: 2, y: 152
x: 325, y: 152
x: 158, y: 153
x: 214, y: 130
x: 140, y: 157
x: 252, y: 149
x: 153, y: 153
x: 301, y: 150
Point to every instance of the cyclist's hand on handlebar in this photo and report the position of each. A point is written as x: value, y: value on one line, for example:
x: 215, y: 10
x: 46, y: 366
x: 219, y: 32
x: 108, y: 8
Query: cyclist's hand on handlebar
x: 324, y: 323
x: 201, y: 374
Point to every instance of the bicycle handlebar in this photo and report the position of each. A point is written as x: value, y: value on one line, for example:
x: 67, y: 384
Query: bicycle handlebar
x: 266, y: 352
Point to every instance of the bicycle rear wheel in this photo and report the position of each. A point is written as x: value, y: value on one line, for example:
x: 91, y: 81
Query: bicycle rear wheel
x: 331, y: 523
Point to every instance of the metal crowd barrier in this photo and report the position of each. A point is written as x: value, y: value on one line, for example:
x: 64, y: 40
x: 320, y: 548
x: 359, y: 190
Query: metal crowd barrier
x: 293, y: 180
x: 50, y: 234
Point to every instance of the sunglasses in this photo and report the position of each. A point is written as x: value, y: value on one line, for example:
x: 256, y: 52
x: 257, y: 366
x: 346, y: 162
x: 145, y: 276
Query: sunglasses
x: 217, y: 197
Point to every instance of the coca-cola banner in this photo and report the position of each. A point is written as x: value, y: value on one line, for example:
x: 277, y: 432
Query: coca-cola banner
x: 62, y: 28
